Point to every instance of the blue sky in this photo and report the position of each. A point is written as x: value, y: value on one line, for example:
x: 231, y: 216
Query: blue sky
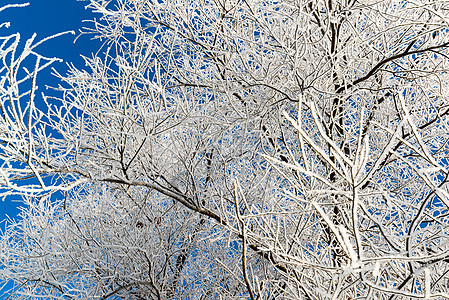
x: 48, y: 17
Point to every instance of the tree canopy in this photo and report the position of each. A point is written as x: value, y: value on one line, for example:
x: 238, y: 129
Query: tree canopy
x: 233, y: 149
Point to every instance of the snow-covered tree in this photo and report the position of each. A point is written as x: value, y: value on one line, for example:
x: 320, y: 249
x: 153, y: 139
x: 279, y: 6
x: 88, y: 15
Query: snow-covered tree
x: 231, y: 149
